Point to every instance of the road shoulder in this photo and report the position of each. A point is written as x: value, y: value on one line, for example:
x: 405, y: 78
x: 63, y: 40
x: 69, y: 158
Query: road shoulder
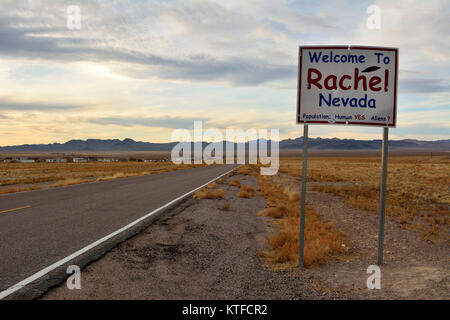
x: 201, y: 252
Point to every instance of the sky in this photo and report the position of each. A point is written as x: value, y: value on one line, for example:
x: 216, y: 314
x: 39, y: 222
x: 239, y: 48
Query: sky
x: 141, y: 69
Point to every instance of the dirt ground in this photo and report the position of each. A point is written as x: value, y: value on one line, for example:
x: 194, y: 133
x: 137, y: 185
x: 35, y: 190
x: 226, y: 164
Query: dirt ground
x: 201, y: 252
x: 411, y: 269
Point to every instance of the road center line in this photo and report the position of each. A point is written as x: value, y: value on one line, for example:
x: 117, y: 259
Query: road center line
x: 15, y: 209
x: 61, y: 262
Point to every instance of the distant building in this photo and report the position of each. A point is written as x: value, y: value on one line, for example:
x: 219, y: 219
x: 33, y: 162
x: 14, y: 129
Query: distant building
x: 25, y: 160
x: 59, y: 160
x: 107, y: 159
x: 79, y: 160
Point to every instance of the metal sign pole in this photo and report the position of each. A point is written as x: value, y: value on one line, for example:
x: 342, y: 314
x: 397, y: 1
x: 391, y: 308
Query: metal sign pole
x: 303, y: 200
x: 384, y: 156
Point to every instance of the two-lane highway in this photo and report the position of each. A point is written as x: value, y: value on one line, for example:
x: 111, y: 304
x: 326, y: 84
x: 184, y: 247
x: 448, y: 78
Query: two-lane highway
x: 40, y: 228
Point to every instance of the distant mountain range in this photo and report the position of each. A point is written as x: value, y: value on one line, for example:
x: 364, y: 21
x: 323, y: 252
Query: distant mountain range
x: 352, y: 144
x: 90, y: 145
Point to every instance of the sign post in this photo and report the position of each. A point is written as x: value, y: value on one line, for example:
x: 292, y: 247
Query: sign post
x: 384, y: 154
x: 303, y: 199
x: 347, y: 85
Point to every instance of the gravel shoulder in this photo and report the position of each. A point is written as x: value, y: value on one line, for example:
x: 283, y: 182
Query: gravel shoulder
x: 200, y: 252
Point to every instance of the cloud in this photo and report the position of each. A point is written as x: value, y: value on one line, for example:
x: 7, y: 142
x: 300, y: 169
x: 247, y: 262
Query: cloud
x: 211, y: 41
x: 20, y: 38
x: 235, y: 70
x: 233, y: 62
x: 423, y: 86
x: 160, y: 122
x: 18, y: 42
x: 36, y: 106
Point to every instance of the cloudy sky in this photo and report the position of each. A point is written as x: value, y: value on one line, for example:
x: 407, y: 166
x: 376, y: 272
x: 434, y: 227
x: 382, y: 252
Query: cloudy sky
x: 140, y: 69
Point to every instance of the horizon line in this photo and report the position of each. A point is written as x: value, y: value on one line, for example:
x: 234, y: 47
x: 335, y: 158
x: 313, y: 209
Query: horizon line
x: 203, y: 141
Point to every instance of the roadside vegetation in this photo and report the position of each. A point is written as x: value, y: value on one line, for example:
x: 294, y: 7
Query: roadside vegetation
x: 235, y: 183
x: 16, y: 177
x: 246, y: 191
x: 418, y: 193
x: 323, y: 241
x: 209, y: 192
x: 225, y: 207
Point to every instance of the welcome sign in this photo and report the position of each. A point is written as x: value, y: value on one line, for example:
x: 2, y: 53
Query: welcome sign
x: 347, y: 85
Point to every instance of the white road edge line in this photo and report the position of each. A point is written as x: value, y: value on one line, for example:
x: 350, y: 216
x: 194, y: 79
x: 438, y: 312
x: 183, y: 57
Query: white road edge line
x: 59, y: 263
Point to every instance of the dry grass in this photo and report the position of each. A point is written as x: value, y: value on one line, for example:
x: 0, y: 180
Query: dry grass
x: 246, y: 191
x: 206, y: 193
x: 67, y: 182
x: 274, y: 212
x: 235, y: 183
x: 292, y: 195
x: 418, y: 193
x: 245, y: 169
x: 322, y: 240
x: 118, y: 175
x: 23, y: 176
x: 225, y: 207
x: 13, y: 190
x: 212, y: 185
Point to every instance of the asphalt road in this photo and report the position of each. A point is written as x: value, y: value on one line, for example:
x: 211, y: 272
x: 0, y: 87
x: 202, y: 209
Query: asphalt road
x: 45, y: 226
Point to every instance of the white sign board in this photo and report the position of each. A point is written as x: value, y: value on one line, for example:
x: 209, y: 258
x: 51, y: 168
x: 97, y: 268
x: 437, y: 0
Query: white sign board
x: 347, y: 85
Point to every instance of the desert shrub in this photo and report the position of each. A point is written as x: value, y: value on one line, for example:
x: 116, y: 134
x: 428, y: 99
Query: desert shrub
x: 323, y: 241
x: 274, y: 212
x: 416, y: 185
x: 246, y: 191
x: 67, y: 182
x: 292, y: 195
x: 206, y: 193
x: 212, y: 185
x: 245, y: 170
x: 235, y: 183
